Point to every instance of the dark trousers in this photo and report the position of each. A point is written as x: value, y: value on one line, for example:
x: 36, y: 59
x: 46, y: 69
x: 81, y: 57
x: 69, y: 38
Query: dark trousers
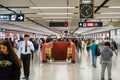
x: 26, y: 64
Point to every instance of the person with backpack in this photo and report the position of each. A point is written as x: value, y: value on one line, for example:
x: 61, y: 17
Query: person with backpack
x: 93, y: 51
x: 106, y: 61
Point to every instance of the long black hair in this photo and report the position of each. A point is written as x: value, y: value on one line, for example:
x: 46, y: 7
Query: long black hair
x: 11, y: 52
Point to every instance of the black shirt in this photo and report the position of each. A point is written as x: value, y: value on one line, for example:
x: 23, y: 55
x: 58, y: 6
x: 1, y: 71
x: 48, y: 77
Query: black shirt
x: 8, y: 69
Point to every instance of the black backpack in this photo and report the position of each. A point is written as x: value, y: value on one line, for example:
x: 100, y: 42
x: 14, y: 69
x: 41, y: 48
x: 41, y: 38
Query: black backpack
x: 97, y: 51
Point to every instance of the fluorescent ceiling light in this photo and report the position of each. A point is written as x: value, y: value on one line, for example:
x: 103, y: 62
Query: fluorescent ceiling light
x: 105, y: 20
x: 111, y: 13
x: 52, y: 7
x: 95, y: 20
x: 57, y: 20
x: 108, y: 17
x: 55, y: 13
x: 56, y: 17
x: 114, y: 6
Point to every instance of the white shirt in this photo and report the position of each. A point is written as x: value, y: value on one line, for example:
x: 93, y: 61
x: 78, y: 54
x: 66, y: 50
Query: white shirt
x: 97, y: 42
x: 21, y: 49
x: 83, y: 43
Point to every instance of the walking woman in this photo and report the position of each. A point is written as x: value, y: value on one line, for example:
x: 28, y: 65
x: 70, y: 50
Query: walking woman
x: 9, y: 63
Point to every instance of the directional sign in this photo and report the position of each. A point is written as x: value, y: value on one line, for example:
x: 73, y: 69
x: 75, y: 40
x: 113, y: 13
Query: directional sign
x: 90, y: 24
x: 12, y: 17
x: 2, y: 30
x: 58, y: 24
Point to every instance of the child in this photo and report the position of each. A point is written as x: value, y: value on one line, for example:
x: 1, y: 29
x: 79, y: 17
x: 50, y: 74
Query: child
x: 105, y: 60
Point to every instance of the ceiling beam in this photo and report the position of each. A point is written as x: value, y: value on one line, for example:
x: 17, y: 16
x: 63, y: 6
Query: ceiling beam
x: 16, y: 7
x: 29, y: 7
x: 27, y: 18
x: 7, y: 8
x: 98, y: 8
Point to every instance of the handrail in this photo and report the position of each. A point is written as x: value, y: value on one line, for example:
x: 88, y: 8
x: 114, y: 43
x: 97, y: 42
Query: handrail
x: 44, y: 47
x: 50, y: 45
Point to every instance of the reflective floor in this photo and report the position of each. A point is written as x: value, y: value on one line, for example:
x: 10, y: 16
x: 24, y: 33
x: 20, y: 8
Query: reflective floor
x: 81, y: 70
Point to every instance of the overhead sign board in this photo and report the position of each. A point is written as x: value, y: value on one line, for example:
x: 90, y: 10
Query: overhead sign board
x: 90, y: 24
x: 2, y: 30
x: 12, y: 17
x: 58, y: 24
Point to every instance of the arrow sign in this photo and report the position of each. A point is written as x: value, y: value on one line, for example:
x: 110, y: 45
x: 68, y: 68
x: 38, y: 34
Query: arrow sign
x: 12, y: 17
x: 21, y: 17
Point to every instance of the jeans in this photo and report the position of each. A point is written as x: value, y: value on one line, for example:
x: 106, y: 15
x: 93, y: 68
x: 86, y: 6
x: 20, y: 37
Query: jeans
x: 94, y: 59
x: 105, y: 64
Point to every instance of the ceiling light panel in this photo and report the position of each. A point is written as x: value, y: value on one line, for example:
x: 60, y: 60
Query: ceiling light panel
x: 111, y: 13
x: 57, y: 17
x: 55, y: 13
x: 109, y: 17
x: 114, y: 6
x: 52, y: 7
x: 57, y: 20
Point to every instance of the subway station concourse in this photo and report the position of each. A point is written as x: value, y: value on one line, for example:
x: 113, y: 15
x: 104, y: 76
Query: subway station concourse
x: 62, y: 30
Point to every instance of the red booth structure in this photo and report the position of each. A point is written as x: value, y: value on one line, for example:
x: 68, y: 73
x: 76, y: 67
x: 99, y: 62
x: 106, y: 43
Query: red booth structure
x: 58, y: 50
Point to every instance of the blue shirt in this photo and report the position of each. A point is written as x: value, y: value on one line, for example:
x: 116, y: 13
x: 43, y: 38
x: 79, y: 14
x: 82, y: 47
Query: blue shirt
x: 21, y: 49
x: 93, y: 47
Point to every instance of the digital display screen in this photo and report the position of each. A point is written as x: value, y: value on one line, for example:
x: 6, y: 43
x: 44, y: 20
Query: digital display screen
x: 58, y: 24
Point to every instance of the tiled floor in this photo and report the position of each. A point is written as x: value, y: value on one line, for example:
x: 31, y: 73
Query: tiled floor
x: 81, y: 70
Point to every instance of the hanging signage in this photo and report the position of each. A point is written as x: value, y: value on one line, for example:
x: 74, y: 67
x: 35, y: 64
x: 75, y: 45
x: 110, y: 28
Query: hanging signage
x: 12, y: 17
x: 2, y: 30
x: 90, y: 24
x: 58, y: 24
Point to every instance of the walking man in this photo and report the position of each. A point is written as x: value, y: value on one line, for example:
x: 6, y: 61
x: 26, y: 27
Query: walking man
x: 25, y: 50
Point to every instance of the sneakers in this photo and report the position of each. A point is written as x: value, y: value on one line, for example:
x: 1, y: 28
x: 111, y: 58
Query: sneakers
x: 27, y: 78
x: 94, y: 65
x: 24, y: 78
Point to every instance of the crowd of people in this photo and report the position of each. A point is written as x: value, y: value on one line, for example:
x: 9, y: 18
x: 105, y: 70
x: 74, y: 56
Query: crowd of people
x: 10, y: 63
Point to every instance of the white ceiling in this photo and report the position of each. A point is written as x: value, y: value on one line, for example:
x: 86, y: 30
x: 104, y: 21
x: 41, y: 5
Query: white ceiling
x: 73, y: 24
